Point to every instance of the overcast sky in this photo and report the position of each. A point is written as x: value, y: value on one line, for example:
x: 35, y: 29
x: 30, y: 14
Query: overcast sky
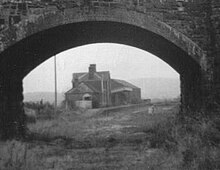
x: 123, y: 62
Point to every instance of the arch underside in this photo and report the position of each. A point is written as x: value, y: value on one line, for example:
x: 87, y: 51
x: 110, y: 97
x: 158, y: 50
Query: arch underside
x: 22, y: 57
x: 28, y: 53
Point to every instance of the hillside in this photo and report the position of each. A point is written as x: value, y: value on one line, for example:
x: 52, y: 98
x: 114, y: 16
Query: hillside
x: 46, y: 96
x: 159, y: 88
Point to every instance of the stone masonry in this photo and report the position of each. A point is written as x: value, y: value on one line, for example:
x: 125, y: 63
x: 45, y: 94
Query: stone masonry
x: 183, y: 33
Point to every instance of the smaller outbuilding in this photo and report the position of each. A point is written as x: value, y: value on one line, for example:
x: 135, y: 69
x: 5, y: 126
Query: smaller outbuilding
x: 123, y: 92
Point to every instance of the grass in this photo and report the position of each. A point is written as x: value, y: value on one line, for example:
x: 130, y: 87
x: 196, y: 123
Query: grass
x: 199, y: 141
x: 130, y: 139
x: 17, y: 155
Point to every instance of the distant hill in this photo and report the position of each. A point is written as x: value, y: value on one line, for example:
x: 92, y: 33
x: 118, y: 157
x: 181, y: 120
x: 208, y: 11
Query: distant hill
x: 158, y: 88
x: 46, y: 96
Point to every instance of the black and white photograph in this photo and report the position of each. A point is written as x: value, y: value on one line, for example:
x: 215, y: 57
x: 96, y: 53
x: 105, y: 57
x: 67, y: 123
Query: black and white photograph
x: 109, y: 84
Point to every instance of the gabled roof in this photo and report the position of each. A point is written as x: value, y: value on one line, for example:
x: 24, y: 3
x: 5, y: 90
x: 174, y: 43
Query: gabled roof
x: 94, y: 85
x: 116, y: 83
x: 83, y: 87
x: 79, y: 75
x: 121, y: 89
x: 105, y: 75
x: 72, y: 90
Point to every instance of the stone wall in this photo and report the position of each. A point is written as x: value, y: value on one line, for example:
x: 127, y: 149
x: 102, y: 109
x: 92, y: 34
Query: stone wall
x: 183, y: 18
x: 184, y: 33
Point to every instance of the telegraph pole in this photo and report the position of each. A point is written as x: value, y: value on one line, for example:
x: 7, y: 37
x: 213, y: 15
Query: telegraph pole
x: 55, y: 80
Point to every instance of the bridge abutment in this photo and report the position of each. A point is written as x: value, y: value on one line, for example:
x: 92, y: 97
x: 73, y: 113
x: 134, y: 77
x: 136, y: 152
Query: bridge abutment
x: 196, y: 92
x: 217, y: 80
x: 12, y: 117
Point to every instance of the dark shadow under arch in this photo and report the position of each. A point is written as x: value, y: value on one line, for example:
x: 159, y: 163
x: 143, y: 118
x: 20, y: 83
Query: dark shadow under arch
x: 25, y: 55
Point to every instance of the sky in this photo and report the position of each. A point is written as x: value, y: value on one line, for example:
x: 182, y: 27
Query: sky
x: 123, y: 62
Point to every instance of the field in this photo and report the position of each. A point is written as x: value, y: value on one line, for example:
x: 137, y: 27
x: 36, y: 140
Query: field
x: 93, y: 139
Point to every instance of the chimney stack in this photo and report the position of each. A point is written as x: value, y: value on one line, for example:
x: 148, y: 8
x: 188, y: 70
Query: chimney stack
x: 75, y: 82
x: 92, y: 70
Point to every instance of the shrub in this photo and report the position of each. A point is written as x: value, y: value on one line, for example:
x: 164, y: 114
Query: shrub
x: 42, y: 110
x: 30, y: 115
x: 163, y: 135
x: 197, y: 139
x: 17, y: 155
x: 198, y: 142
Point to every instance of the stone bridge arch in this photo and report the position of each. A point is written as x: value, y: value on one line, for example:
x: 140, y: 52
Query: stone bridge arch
x: 52, y: 19
x: 26, y: 44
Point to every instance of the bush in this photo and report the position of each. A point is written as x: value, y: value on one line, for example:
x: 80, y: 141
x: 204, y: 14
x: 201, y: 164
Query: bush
x: 162, y: 135
x: 198, y: 142
x: 30, y: 115
x: 42, y: 110
x: 196, y: 139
